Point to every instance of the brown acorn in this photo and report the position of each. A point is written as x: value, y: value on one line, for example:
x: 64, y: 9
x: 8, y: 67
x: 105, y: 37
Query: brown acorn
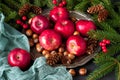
x: 61, y: 49
x: 34, y: 36
x: 38, y: 47
x: 44, y: 52
x: 82, y: 71
x: 29, y: 32
x: 72, y: 72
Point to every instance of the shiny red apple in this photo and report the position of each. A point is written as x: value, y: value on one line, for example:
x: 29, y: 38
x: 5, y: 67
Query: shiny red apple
x: 39, y: 23
x: 84, y: 26
x: 58, y: 13
x: 20, y: 58
x: 76, y: 45
x: 50, y: 39
x: 65, y: 27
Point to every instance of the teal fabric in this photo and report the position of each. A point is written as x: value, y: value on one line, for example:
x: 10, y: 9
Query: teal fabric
x: 10, y: 39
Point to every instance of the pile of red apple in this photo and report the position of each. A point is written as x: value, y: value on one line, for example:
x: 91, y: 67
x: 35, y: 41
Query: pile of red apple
x: 62, y: 30
x: 58, y: 29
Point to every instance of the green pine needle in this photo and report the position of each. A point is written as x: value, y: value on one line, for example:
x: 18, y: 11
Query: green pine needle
x: 102, y: 58
x: 82, y: 6
x: 101, y: 71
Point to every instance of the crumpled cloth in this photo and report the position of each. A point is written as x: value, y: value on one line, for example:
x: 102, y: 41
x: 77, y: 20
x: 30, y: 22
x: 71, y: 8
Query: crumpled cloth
x: 10, y: 38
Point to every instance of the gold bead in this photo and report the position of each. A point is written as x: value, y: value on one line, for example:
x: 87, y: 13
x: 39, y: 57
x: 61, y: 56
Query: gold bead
x: 39, y: 48
x: 71, y: 56
x: 82, y: 71
x: 44, y: 52
x: 72, y: 72
x: 29, y: 32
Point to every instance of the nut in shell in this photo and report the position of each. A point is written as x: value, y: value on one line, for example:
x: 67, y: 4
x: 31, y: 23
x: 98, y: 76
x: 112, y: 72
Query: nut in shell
x: 38, y: 47
x: 72, y: 72
x: 82, y: 71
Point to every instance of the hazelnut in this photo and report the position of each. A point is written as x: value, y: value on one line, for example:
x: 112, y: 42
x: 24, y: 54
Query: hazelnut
x: 65, y: 53
x: 76, y: 33
x: 61, y: 49
x: 39, y: 47
x: 44, y: 52
x: 71, y: 56
x: 53, y: 52
x: 35, y: 40
x: 47, y: 56
x: 29, y: 32
x: 34, y: 36
x: 82, y: 71
x: 31, y: 42
x: 72, y: 72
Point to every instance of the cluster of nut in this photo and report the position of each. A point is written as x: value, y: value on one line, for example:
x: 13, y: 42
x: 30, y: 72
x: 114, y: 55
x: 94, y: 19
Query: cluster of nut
x: 61, y: 51
x: 82, y: 71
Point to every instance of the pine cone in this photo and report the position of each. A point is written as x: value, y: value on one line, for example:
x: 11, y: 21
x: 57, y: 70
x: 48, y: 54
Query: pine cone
x: 53, y: 59
x: 36, y: 10
x: 95, y: 9
x: 91, y: 45
x: 102, y: 15
x: 65, y: 60
x: 24, y: 9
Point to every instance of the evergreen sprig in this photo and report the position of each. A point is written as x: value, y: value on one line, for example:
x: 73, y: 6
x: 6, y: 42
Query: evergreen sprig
x: 102, y: 71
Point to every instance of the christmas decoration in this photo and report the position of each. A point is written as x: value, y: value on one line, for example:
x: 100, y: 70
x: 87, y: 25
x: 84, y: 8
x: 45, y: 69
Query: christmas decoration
x: 36, y: 10
x: 108, y: 26
x: 24, y: 9
x: 72, y: 72
x: 82, y: 71
x: 95, y: 8
x: 53, y: 59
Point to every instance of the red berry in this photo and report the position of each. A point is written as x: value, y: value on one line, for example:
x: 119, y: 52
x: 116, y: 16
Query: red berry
x: 104, y: 50
x: 18, y: 21
x: 107, y: 41
x: 104, y: 40
x: 102, y: 44
x: 54, y: 1
x: 64, y: 2
x: 24, y: 18
x: 25, y: 26
x: 61, y: 4
x: 104, y: 47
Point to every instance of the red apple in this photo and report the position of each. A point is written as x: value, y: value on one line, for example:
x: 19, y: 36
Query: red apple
x: 50, y: 39
x: 65, y: 27
x: 58, y: 13
x: 76, y: 45
x: 84, y: 26
x: 20, y: 58
x: 39, y: 23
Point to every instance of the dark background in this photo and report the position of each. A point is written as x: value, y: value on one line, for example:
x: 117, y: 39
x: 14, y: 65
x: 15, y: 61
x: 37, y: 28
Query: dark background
x: 90, y: 66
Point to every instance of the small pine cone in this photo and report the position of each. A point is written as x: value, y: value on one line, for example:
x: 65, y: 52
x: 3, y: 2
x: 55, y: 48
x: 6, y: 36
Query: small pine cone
x: 24, y: 9
x: 102, y: 15
x: 36, y: 10
x: 95, y: 9
x: 53, y: 59
x: 65, y: 60
x: 91, y: 45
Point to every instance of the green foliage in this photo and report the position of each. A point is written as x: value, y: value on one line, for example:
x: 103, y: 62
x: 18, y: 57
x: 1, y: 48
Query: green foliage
x: 102, y: 71
x: 22, y: 2
x: 12, y: 4
x: 40, y: 3
x: 50, y: 4
x: 82, y: 6
x: 70, y: 4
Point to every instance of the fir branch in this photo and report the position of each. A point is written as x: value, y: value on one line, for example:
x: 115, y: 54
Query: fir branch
x: 102, y: 58
x: 117, y: 70
x: 105, y: 26
x: 12, y: 4
x: 24, y: 2
x: 40, y: 3
x: 99, y: 34
x: 12, y: 15
x: 82, y: 6
x: 113, y: 49
x: 102, y: 71
x: 118, y: 58
x: 50, y: 4
x: 115, y: 23
x: 70, y: 4
x: 5, y: 9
